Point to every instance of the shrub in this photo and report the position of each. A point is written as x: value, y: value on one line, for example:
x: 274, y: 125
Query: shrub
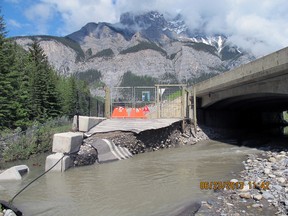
x: 143, y: 46
x: 103, y: 53
x: 36, y: 139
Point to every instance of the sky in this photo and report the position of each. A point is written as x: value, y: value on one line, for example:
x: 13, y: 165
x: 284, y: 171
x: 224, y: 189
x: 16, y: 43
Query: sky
x: 259, y: 26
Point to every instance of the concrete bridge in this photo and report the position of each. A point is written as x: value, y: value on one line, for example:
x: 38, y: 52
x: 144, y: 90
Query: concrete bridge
x: 252, y: 95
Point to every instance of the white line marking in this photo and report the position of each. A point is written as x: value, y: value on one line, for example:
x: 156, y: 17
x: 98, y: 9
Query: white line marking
x: 111, y: 149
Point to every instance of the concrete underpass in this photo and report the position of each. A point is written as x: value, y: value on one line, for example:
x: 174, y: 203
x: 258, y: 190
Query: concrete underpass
x: 255, y: 111
x: 252, y: 96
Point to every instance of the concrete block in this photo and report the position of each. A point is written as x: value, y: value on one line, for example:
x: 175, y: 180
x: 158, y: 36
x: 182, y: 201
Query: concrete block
x: 14, y: 173
x: 65, y: 163
x: 68, y: 142
x: 87, y: 122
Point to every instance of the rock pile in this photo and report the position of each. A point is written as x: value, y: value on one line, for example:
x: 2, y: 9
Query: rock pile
x: 265, y: 190
x: 87, y: 155
x: 269, y: 174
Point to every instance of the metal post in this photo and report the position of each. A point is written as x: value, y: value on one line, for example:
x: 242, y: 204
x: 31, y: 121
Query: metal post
x: 194, y: 110
x: 189, y: 99
x: 89, y: 105
x: 97, y: 108
x: 77, y: 111
x: 183, y: 105
x: 157, y: 100
x: 107, y: 102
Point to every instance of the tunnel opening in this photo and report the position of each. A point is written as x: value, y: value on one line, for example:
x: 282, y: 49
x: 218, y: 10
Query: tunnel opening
x: 265, y: 113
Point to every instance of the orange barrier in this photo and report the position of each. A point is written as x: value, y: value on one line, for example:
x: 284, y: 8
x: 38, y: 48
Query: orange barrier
x: 137, y: 113
x: 119, y: 112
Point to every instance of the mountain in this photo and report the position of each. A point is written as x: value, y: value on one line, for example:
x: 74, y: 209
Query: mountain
x: 147, y: 44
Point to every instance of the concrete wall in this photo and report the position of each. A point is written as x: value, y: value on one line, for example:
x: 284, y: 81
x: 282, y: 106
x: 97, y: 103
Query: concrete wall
x: 251, y: 96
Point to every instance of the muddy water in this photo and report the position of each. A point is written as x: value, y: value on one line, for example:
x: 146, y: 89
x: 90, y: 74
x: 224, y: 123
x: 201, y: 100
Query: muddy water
x: 155, y: 183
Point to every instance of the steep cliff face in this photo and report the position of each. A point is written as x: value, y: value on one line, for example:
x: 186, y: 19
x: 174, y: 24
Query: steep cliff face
x: 145, y: 44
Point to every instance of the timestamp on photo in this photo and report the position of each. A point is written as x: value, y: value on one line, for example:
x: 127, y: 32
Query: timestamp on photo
x: 221, y: 185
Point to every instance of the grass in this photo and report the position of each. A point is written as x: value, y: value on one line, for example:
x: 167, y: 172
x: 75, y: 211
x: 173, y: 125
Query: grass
x: 285, y: 131
x: 174, y: 95
x: 285, y: 115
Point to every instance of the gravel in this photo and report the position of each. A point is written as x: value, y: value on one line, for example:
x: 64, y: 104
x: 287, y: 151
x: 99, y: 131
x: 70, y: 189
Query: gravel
x: 266, y: 185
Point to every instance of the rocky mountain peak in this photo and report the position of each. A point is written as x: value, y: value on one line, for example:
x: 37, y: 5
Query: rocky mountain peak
x: 143, y: 20
x: 146, y: 44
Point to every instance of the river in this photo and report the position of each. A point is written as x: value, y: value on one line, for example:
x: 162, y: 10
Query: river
x: 155, y: 183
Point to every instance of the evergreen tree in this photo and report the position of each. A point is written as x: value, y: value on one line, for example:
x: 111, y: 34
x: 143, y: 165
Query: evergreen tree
x: 22, y: 64
x: 6, y: 85
x: 43, y: 85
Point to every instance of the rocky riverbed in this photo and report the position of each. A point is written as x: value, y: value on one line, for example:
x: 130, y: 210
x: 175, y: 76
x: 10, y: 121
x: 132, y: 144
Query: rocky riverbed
x: 265, y: 191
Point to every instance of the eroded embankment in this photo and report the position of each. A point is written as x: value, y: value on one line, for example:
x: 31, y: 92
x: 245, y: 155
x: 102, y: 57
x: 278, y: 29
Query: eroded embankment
x: 153, y: 140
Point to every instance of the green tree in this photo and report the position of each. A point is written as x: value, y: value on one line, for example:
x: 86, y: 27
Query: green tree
x: 68, y: 89
x: 7, y: 81
x: 19, y: 74
x: 43, y: 85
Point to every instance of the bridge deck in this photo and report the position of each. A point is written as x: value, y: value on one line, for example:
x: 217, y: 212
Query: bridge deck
x: 131, y: 125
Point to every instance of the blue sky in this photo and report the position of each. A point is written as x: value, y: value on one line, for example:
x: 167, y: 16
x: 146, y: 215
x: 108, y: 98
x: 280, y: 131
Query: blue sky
x: 260, y: 26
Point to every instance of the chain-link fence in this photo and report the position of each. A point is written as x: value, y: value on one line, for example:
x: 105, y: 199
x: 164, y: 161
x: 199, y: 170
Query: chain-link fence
x: 170, y: 101
x: 97, y: 107
x: 162, y: 101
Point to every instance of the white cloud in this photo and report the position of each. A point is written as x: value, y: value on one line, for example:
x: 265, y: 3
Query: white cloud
x: 40, y: 15
x: 260, y: 26
x: 76, y: 13
x: 14, y: 23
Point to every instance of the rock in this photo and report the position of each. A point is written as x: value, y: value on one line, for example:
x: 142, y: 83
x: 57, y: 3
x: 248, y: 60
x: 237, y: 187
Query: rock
x: 267, y: 195
x: 256, y: 205
x: 272, y: 159
x: 245, y: 195
x: 86, y: 156
x: 245, y: 188
x: 281, y: 180
x: 9, y: 212
x: 279, y: 156
x: 271, y: 176
x: 257, y: 197
x: 234, y: 180
x: 266, y: 170
x: 278, y: 173
x: 277, y: 187
x: 285, y: 162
